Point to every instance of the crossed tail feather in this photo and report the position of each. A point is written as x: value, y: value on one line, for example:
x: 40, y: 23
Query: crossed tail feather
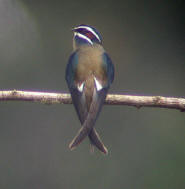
x: 93, y: 137
x: 87, y: 127
x: 96, y: 141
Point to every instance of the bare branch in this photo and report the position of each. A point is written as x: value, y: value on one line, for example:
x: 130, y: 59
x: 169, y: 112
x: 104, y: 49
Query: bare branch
x: 112, y: 99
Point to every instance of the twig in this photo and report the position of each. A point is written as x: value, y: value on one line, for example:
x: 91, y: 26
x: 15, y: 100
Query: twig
x: 112, y: 99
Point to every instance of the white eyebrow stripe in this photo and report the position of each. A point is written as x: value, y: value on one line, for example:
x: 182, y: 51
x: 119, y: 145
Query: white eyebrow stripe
x: 98, y: 85
x: 80, y: 87
x: 83, y: 37
x: 89, y: 29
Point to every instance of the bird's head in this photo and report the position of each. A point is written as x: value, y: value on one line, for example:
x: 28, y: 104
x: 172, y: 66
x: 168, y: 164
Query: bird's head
x: 86, y: 35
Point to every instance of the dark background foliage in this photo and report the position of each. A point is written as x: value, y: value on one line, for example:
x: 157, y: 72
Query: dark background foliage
x: 146, y: 147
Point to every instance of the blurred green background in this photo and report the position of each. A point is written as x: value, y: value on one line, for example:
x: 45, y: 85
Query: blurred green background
x: 146, y: 147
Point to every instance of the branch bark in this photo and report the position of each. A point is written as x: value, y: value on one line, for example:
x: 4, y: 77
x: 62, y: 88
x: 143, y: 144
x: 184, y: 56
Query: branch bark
x: 112, y: 99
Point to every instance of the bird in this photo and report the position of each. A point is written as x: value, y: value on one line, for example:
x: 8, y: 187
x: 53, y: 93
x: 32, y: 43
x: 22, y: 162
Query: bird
x: 89, y: 74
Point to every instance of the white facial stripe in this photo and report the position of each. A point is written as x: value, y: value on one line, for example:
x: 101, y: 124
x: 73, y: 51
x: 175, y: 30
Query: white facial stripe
x: 83, y: 37
x: 98, y: 85
x: 81, y: 87
x: 89, y: 29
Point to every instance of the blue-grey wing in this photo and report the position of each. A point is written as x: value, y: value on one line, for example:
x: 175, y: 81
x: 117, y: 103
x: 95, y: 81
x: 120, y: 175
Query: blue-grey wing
x: 109, y: 68
x: 77, y: 96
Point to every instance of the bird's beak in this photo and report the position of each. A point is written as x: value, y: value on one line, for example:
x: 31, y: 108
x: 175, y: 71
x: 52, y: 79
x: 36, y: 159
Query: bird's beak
x: 73, y: 29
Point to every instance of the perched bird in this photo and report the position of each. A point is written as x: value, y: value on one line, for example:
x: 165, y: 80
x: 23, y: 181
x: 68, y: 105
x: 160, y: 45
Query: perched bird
x: 89, y: 73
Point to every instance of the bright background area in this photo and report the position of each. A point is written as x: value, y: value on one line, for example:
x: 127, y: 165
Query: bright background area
x: 146, y: 147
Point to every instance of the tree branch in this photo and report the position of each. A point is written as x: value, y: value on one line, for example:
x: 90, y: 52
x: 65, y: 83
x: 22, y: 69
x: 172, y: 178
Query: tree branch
x: 112, y: 99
